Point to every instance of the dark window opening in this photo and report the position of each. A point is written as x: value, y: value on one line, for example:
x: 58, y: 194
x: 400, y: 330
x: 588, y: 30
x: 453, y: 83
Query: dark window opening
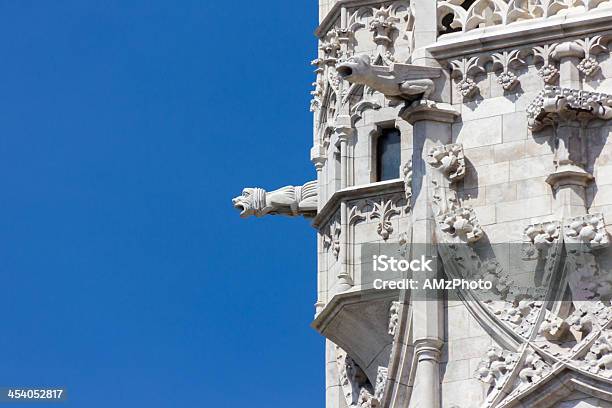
x: 388, y: 152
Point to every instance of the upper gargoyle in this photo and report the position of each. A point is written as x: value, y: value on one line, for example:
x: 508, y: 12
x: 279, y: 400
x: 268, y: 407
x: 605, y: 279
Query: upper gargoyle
x: 289, y: 200
x: 399, y: 80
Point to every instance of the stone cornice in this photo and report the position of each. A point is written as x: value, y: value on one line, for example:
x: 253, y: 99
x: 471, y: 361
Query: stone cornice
x: 334, y: 13
x: 356, y: 192
x: 557, y: 28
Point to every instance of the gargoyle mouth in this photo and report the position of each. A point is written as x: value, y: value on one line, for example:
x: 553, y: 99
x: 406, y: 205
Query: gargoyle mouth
x: 239, y: 206
x: 344, y: 71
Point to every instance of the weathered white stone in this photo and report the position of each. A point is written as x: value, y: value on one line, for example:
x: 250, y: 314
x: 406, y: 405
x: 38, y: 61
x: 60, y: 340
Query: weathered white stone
x: 477, y: 177
x: 477, y: 133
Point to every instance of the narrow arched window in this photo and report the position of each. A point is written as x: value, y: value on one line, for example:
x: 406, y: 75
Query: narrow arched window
x: 388, y: 152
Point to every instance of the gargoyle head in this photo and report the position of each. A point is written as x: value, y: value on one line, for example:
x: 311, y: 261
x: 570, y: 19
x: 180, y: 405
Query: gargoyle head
x: 355, y: 69
x: 244, y: 203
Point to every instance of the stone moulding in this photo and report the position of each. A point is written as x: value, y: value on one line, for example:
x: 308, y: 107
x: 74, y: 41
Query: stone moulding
x: 505, y: 12
x: 506, y: 63
x: 521, y: 35
x: 552, y: 101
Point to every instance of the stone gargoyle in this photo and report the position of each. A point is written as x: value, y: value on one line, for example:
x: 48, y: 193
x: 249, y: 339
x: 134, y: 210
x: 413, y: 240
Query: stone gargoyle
x: 402, y: 81
x: 289, y: 200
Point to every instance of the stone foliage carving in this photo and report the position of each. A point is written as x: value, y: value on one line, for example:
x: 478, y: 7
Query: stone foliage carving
x: 590, y: 45
x: 290, y: 200
x: 449, y: 160
x: 331, y: 237
x: 406, y: 172
x: 463, y: 224
x: 495, y: 366
x: 548, y: 72
x: 383, y: 25
x: 534, y: 368
x: 539, y: 238
x: 399, y: 80
x: 553, y: 101
x: 383, y: 211
x: 543, y: 235
x: 599, y: 358
x: 462, y: 69
x: 484, y: 13
x: 394, y: 317
x: 357, y: 389
x: 381, y: 382
x: 505, y: 60
x: 588, y: 229
x: 509, y: 61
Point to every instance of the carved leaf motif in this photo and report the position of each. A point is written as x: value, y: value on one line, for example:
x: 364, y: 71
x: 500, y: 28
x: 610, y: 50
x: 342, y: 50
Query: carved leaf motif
x: 461, y: 69
x: 383, y: 211
x: 505, y: 60
x: 331, y: 237
x: 598, y: 360
x: 590, y: 45
x: 548, y: 72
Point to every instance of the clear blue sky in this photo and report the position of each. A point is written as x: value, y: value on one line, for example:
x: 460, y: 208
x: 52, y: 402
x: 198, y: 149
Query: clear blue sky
x: 126, y: 127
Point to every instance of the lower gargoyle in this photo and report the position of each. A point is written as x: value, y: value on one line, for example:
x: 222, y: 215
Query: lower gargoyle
x: 289, y: 200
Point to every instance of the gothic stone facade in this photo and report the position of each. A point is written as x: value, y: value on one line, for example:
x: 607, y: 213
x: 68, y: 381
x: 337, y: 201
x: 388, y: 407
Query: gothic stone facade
x: 503, y: 109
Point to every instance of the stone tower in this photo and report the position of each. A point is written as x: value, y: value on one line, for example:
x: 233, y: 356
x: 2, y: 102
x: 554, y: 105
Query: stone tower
x: 474, y: 132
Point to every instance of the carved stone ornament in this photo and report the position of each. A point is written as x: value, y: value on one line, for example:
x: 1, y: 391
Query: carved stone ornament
x: 394, y: 317
x: 539, y: 237
x: 495, y: 366
x: 587, y: 229
x: 290, y: 200
x: 589, y: 65
x: 463, y: 68
x: 553, y: 101
x: 505, y: 60
x: 383, y: 25
x: 357, y: 389
x: 398, y: 80
x: 485, y: 13
x: 449, y: 160
x: 534, y: 369
x: 381, y: 382
x: 548, y: 72
x: 331, y: 238
x: 383, y: 211
x: 406, y: 172
x: 462, y: 223
x: 598, y: 360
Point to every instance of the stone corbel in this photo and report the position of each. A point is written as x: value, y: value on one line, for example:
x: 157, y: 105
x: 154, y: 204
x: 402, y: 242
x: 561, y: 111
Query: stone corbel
x: 289, y: 200
x: 568, y: 112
